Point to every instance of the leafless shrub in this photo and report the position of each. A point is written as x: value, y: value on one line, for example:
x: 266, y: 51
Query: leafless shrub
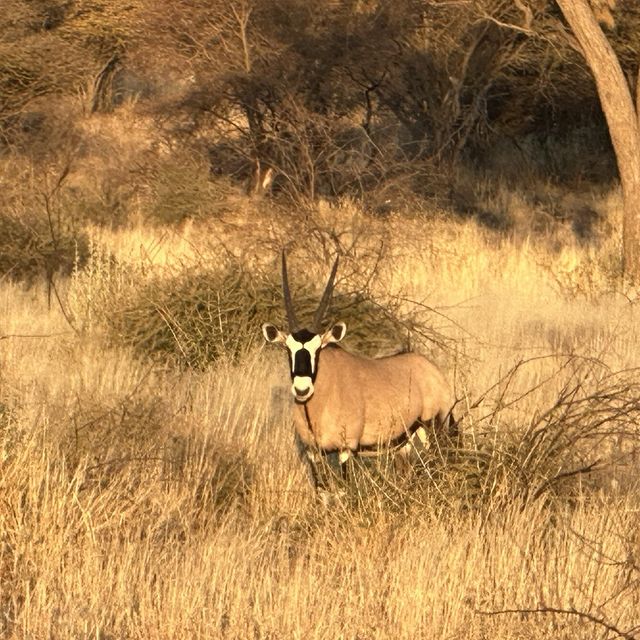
x: 587, y: 439
x: 28, y: 251
x: 587, y: 434
x: 40, y: 238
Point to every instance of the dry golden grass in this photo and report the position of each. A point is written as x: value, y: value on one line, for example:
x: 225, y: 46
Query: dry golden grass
x: 138, y: 501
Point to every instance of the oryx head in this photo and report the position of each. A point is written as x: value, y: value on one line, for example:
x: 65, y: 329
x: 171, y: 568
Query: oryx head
x: 304, y: 345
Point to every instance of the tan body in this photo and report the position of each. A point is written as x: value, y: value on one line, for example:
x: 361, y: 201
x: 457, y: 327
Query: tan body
x: 349, y: 404
x: 365, y: 402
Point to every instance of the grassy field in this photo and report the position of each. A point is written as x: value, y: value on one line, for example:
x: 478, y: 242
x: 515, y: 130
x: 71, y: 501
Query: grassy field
x: 144, y: 499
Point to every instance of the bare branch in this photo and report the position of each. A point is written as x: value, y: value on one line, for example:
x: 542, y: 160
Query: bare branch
x: 584, y: 615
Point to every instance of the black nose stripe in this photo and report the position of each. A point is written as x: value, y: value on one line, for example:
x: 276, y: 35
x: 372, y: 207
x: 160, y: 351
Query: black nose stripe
x: 302, y: 363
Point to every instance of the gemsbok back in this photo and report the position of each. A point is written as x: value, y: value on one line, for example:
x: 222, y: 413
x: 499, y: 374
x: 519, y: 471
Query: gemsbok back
x: 349, y: 404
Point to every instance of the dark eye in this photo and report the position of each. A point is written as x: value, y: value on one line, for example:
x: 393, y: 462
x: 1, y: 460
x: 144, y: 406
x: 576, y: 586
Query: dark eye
x: 271, y: 331
x: 337, y: 331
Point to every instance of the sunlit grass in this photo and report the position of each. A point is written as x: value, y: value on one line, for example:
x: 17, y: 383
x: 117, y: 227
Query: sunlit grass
x: 138, y: 500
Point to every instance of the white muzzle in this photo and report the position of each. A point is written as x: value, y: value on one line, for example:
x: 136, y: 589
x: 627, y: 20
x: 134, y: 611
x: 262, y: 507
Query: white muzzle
x: 302, y: 388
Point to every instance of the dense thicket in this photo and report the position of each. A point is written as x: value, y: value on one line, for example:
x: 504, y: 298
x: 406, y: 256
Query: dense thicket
x: 332, y: 97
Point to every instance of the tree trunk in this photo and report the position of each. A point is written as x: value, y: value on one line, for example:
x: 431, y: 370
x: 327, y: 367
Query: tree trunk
x: 622, y: 120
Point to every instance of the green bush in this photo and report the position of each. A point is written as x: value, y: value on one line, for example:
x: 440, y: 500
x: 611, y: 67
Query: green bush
x: 197, y: 317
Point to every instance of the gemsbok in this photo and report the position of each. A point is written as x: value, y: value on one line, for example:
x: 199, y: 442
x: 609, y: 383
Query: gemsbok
x: 349, y: 404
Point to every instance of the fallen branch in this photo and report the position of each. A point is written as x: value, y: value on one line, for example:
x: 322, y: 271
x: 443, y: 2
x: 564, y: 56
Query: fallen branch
x: 584, y: 615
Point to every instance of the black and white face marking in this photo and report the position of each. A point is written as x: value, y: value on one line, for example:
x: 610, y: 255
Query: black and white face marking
x: 304, y: 348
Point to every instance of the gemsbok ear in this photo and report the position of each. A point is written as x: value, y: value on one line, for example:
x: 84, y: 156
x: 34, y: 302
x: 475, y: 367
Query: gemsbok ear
x: 271, y: 333
x: 335, y: 334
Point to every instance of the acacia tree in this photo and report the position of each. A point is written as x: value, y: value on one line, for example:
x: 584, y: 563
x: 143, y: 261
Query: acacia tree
x: 623, y: 120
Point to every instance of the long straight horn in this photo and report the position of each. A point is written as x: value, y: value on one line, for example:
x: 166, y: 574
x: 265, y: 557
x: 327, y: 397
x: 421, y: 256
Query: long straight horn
x: 288, y: 304
x: 326, y: 298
